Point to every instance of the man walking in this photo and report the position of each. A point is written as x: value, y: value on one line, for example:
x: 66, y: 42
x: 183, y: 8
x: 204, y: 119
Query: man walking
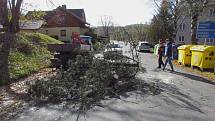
x: 160, y: 53
x: 168, y: 54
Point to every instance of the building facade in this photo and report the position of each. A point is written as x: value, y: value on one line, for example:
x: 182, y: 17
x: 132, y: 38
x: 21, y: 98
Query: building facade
x: 61, y: 22
x: 184, y: 26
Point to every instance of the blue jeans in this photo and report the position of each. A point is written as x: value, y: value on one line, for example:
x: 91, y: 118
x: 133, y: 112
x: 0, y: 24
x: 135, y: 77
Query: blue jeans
x: 168, y: 60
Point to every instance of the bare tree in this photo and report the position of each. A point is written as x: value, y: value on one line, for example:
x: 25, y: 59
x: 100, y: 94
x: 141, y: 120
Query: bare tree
x: 140, y: 31
x: 106, y: 25
x: 195, y: 8
x: 12, y: 8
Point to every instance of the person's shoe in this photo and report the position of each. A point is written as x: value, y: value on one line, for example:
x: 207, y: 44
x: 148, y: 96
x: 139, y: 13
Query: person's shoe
x: 158, y: 67
x: 172, y: 71
x: 163, y: 69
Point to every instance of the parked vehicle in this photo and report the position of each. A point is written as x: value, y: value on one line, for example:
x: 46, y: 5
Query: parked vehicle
x: 113, y: 48
x: 68, y: 51
x: 87, y: 40
x: 144, y: 47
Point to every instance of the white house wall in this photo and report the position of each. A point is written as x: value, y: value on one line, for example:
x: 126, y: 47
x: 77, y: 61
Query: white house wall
x: 186, y: 32
x: 56, y: 32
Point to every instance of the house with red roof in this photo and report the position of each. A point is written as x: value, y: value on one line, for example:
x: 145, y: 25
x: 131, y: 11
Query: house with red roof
x: 61, y: 22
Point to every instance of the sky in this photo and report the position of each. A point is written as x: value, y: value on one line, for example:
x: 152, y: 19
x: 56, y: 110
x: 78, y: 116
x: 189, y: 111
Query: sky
x: 122, y: 12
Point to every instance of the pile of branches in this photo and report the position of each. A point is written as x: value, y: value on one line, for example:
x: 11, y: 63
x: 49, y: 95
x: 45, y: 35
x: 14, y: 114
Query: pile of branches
x: 86, y: 81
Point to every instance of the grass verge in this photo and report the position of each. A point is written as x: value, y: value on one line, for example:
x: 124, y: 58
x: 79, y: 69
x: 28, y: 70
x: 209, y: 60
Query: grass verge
x: 30, y: 54
x: 206, y: 74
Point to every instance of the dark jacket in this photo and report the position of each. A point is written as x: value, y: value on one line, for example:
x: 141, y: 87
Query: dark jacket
x: 161, y: 49
x: 168, y: 49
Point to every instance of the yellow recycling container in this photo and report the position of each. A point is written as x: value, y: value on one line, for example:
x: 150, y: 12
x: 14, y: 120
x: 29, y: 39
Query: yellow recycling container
x: 184, y: 54
x: 203, y: 56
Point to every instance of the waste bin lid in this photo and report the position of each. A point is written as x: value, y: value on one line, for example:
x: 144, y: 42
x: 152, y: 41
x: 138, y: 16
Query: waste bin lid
x: 183, y: 47
x: 202, y: 48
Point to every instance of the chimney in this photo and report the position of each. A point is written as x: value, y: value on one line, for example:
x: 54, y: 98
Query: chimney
x: 64, y: 7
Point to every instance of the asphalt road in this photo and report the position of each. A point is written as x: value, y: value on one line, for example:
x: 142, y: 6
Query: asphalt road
x: 184, y: 97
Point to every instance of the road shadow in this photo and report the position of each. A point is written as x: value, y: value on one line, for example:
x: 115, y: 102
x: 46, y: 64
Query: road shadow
x: 169, y: 93
x: 159, y: 93
x: 170, y: 97
x: 194, y: 77
x: 173, y: 96
x: 187, y: 75
x: 157, y: 70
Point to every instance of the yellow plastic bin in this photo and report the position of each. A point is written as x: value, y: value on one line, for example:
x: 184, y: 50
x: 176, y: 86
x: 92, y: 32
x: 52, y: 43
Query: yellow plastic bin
x: 184, y: 54
x: 203, y: 56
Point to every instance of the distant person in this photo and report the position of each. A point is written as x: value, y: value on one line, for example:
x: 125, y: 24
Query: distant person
x: 168, y: 54
x: 160, y: 53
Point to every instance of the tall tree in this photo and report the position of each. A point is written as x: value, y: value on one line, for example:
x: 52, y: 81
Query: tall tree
x: 9, y: 18
x: 182, y: 8
x: 161, y: 25
x: 195, y: 7
x: 174, y: 7
x: 154, y: 30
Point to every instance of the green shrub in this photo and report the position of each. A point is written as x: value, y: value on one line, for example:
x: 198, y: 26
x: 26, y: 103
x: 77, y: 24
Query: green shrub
x: 98, y: 46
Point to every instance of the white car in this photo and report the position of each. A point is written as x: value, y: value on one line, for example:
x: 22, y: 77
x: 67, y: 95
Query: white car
x: 144, y: 46
x: 113, y: 48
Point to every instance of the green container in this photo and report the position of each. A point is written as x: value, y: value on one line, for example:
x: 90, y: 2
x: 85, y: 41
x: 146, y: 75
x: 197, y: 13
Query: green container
x: 156, y: 49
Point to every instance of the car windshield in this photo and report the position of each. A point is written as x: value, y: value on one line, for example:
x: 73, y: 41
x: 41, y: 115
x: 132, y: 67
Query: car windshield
x: 114, y: 46
x: 144, y: 44
x: 87, y: 40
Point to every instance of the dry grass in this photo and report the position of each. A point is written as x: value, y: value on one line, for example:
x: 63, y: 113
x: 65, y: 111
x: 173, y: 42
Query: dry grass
x: 207, y: 74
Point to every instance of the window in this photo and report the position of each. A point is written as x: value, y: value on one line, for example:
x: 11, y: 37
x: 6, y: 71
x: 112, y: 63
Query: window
x: 212, y: 12
x: 181, y: 38
x: 182, y: 26
x: 63, y: 33
x: 47, y: 31
x: 209, y: 40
